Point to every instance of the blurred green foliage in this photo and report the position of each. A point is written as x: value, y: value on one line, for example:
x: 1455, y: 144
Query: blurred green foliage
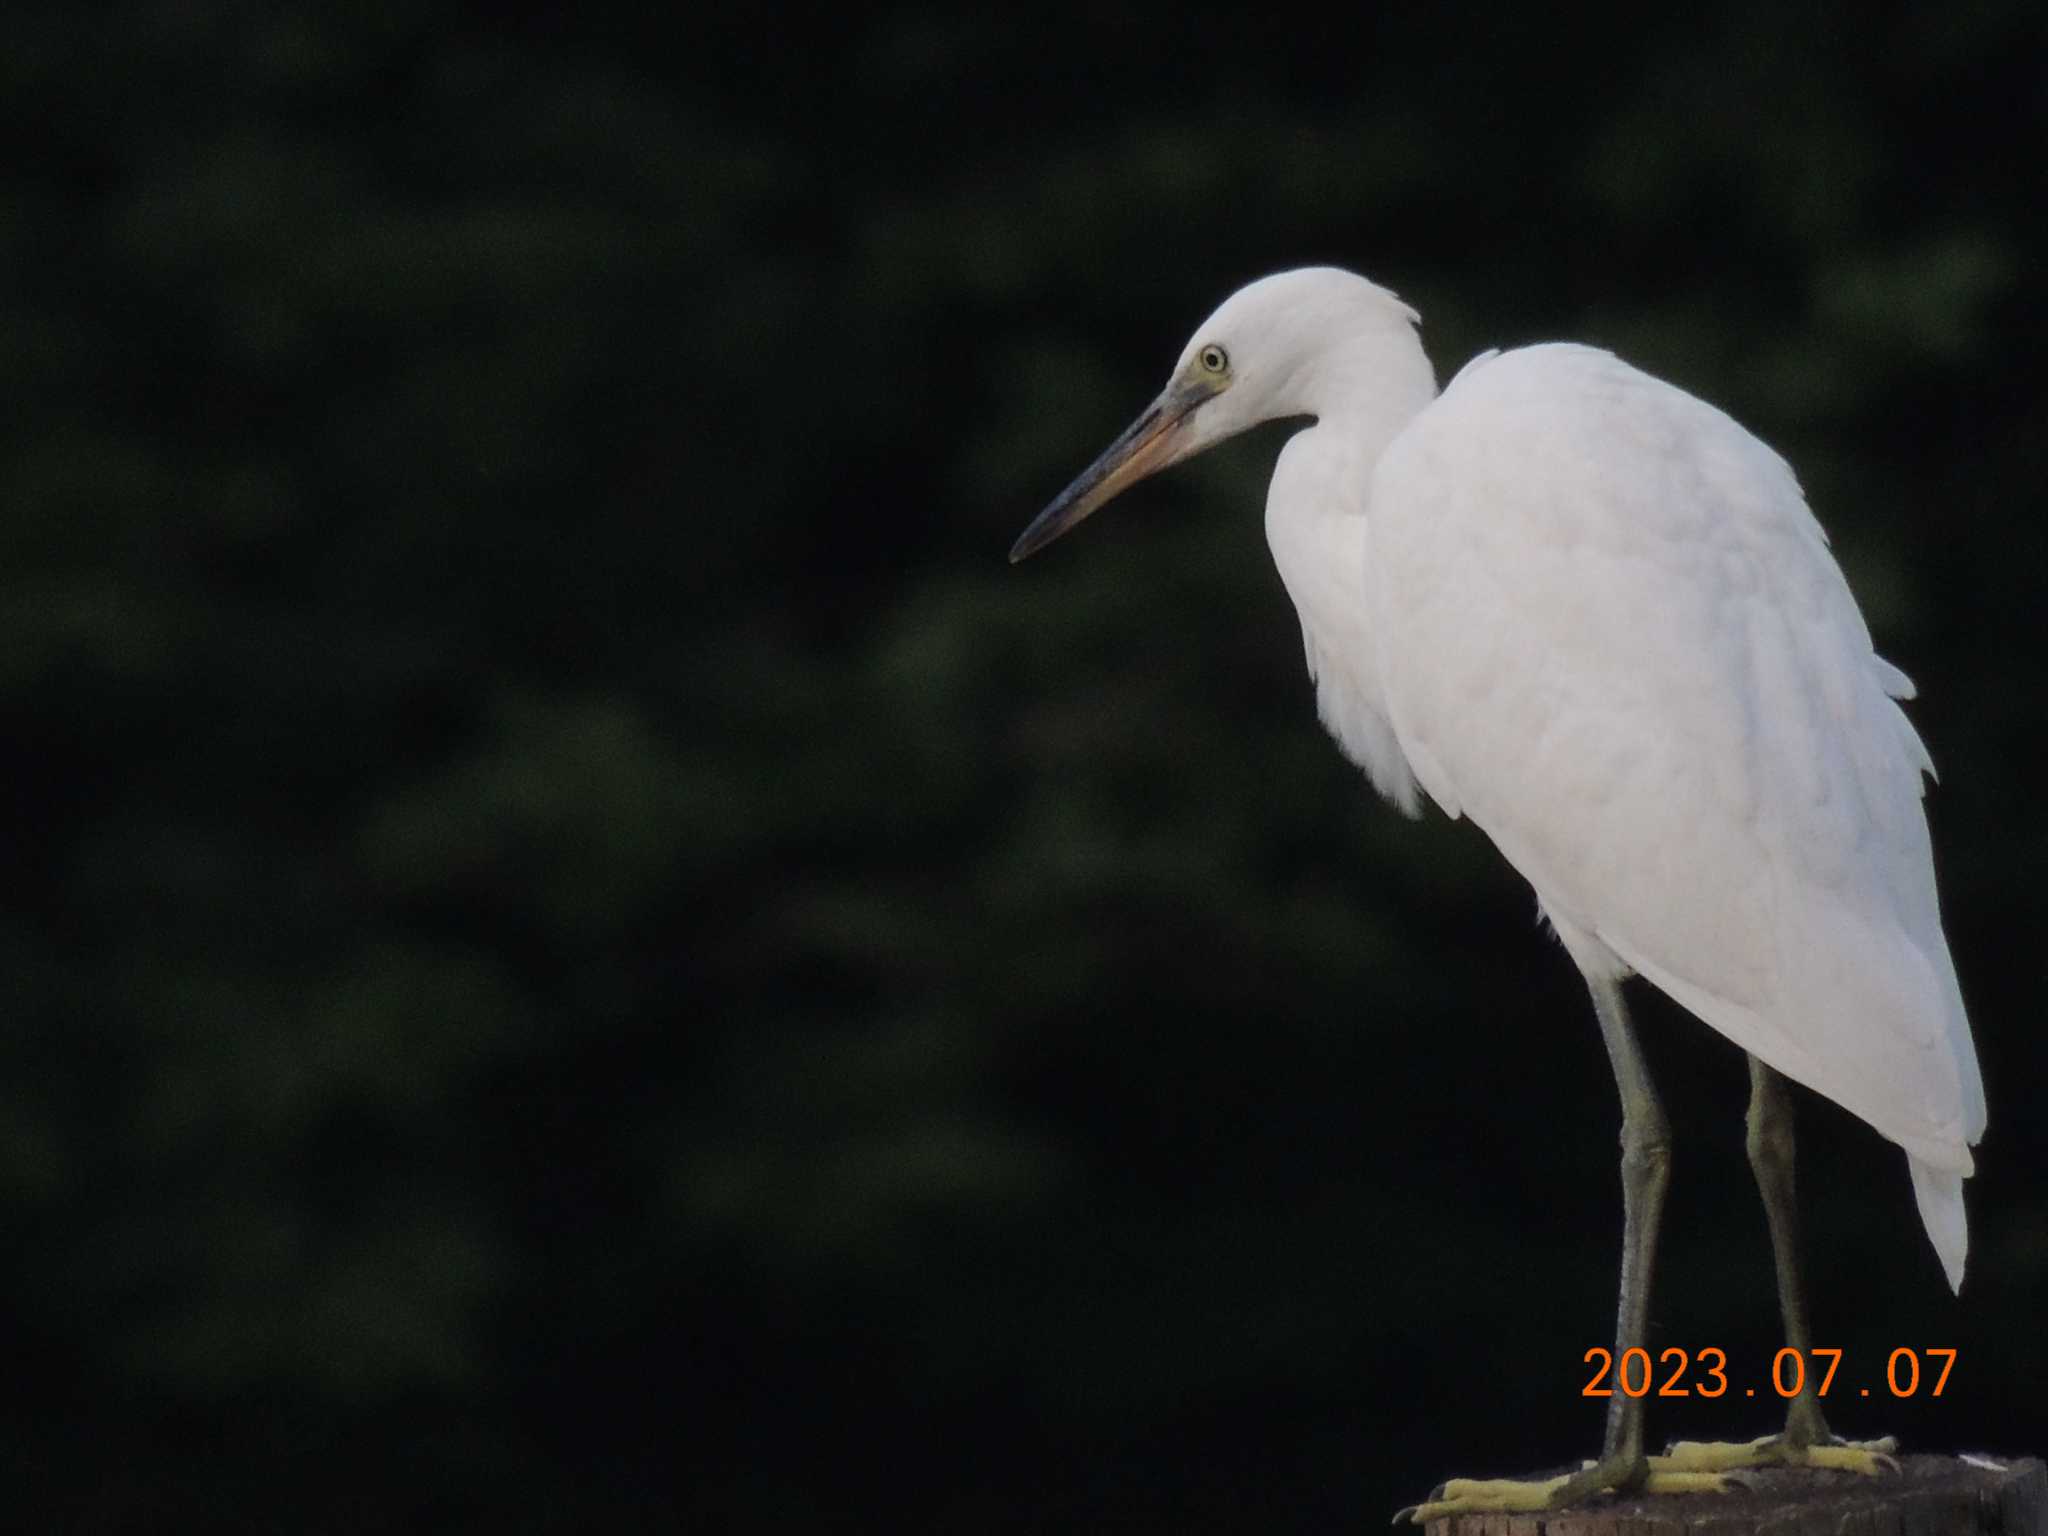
x: 580, y: 949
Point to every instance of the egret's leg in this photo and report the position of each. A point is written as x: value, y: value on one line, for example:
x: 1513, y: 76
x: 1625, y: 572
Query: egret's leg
x: 1645, y: 1171
x: 1806, y: 1441
x: 1770, y: 1155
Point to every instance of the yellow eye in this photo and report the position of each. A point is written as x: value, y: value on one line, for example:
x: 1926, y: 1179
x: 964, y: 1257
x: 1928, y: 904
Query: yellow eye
x: 1215, y: 359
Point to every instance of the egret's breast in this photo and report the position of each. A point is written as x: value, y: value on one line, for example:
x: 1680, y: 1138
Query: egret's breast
x: 1316, y: 528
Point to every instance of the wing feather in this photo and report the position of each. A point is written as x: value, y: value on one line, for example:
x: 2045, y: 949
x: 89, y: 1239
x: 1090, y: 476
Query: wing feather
x: 1610, y: 630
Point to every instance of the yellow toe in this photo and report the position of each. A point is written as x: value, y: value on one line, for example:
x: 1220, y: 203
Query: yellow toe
x: 1685, y: 1482
x: 1484, y: 1495
x: 1714, y: 1455
x: 1867, y: 1457
x: 1510, y: 1495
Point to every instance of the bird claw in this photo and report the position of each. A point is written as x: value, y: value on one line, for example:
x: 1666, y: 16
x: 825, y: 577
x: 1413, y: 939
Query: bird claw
x: 1866, y: 1456
x: 1407, y: 1512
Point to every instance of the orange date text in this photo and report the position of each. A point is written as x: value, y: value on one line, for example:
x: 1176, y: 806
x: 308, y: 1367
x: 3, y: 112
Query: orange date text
x: 1678, y: 1372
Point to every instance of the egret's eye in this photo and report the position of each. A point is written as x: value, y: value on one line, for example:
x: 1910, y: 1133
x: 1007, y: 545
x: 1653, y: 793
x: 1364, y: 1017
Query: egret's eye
x: 1215, y: 360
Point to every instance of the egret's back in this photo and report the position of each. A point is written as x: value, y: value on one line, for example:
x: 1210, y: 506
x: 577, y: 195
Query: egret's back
x: 1611, y: 633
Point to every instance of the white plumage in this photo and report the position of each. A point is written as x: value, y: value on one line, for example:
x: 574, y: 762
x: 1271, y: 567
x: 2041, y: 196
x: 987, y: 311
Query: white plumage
x: 1611, y: 633
x: 1594, y: 615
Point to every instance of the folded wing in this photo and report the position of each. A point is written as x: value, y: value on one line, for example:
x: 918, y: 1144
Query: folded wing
x: 1612, y: 634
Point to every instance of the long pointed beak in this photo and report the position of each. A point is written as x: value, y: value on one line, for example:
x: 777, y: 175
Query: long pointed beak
x: 1155, y: 440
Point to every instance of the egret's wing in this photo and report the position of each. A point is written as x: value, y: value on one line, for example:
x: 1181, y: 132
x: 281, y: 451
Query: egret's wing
x: 1612, y: 634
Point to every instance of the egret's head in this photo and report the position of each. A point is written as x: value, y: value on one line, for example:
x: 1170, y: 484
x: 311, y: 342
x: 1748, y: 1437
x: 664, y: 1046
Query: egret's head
x: 1267, y: 352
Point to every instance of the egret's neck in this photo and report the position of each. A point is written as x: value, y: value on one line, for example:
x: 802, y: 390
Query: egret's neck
x: 1363, y: 390
x: 1318, y: 525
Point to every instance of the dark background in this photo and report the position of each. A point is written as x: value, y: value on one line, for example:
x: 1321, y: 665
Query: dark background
x: 580, y: 952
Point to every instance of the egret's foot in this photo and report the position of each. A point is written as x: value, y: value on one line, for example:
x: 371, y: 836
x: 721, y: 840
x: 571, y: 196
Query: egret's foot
x: 1868, y: 1457
x: 1477, y: 1495
x: 1618, y: 1474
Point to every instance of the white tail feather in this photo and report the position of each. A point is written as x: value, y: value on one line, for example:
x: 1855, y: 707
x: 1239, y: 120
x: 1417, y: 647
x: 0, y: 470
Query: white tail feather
x: 1940, y: 1196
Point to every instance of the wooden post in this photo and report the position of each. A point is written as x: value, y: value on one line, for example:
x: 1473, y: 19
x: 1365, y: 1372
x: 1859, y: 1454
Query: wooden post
x: 1931, y: 1496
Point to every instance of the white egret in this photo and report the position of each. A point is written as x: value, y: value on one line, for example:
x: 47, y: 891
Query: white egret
x: 1593, y: 614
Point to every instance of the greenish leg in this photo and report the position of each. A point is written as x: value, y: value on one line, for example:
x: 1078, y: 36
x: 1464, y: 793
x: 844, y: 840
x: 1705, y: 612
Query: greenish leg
x: 1807, y: 1441
x: 1645, y: 1173
x: 1689, y: 1466
x: 1771, y: 1156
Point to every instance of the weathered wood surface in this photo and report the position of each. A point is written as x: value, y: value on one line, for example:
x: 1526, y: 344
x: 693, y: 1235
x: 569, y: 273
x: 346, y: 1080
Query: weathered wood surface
x: 1931, y: 1496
